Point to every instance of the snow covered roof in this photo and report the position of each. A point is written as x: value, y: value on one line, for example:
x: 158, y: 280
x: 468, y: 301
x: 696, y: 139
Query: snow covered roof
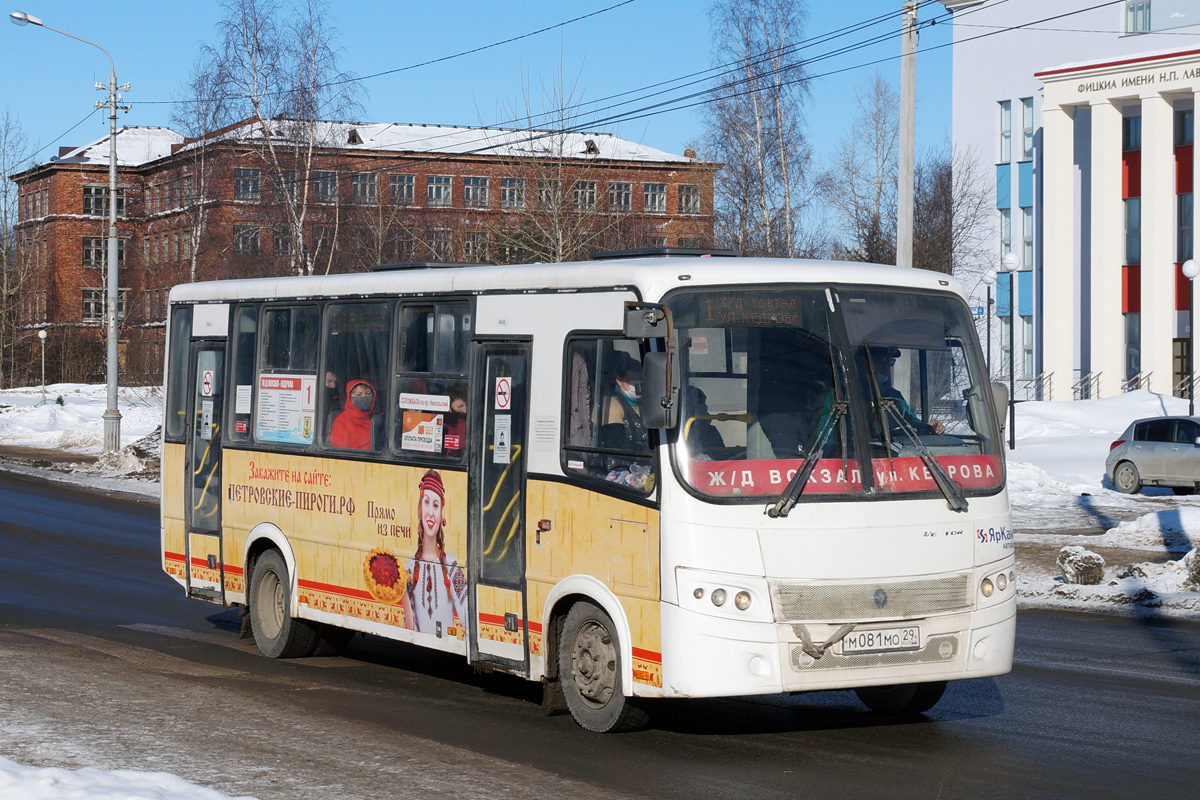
x: 450, y: 140
x: 135, y: 146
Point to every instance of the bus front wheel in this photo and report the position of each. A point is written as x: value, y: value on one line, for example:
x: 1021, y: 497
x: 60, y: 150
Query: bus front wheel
x: 903, y: 699
x: 589, y: 668
x: 276, y: 632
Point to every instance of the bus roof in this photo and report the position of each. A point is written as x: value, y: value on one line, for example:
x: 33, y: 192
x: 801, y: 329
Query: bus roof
x: 653, y: 277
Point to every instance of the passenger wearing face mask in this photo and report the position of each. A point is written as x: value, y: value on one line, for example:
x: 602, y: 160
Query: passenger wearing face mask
x: 454, y: 433
x: 620, y: 424
x: 352, y: 428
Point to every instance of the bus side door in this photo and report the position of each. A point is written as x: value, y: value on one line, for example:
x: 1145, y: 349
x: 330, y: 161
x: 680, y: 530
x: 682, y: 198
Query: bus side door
x: 202, y: 511
x: 496, y: 530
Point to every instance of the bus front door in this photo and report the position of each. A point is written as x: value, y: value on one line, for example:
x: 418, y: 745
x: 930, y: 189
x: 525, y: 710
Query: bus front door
x: 496, y: 532
x: 204, y: 557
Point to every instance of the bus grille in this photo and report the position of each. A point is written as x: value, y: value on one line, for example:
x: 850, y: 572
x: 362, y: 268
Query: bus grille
x: 794, y: 601
x: 939, y: 649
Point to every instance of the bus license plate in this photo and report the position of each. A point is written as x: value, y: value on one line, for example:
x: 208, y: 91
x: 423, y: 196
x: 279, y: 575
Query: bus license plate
x: 886, y: 640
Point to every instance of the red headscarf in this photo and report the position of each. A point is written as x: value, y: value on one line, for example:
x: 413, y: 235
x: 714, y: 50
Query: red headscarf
x: 352, y: 428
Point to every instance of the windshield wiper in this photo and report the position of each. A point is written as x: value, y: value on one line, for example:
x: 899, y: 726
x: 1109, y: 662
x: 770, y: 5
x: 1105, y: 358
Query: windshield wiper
x: 796, y: 485
x: 955, y: 497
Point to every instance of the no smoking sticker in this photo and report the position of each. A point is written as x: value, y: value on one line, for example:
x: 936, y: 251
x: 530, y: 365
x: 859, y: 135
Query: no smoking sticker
x: 503, y: 394
x: 206, y: 383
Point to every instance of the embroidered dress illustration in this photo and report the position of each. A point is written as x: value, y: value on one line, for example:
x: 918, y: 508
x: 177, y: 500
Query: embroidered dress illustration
x: 437, y: 586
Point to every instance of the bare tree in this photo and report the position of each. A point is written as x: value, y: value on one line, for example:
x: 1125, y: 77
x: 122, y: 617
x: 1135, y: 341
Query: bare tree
x: 279, y: 67
x: 16, y: 264
x: 754, y: 125
x: 862, y: 179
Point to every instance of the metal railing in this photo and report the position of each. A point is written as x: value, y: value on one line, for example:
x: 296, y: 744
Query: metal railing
x: 1087, y: 387
x: 1184, y: 387
x: 1139, y: 381
x: 1043, y: 388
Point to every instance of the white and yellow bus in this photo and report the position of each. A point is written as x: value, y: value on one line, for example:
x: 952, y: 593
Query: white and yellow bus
x: 627, y: 479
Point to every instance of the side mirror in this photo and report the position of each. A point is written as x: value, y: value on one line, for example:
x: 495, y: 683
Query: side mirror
x: 646, y: 321
x: 1000, y: 399
x: 660, y: 391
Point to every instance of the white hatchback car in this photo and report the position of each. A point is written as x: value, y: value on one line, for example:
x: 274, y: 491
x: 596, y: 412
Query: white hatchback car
x: 1158, y: 451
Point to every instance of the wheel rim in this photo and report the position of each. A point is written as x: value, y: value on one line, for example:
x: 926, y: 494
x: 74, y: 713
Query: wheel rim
x: 269, y: 602
x: 1125, y: 478
x: 594, y: 664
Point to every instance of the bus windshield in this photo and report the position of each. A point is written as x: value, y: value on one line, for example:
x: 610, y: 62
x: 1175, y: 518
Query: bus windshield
x: 877, y: 392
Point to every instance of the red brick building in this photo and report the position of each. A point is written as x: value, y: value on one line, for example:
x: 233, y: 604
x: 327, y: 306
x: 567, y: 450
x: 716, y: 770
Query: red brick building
x: 336, y: 197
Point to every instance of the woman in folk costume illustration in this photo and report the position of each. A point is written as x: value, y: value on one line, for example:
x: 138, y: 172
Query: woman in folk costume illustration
x: 437, y: 586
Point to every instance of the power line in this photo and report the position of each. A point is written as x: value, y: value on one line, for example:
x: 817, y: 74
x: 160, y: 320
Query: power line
x: 60, y: 137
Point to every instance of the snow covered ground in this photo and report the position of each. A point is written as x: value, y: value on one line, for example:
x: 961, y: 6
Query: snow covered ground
x: 50, y: 783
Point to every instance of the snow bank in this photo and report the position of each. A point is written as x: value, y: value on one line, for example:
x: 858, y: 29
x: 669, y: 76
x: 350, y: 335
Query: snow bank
x: 33, y: 783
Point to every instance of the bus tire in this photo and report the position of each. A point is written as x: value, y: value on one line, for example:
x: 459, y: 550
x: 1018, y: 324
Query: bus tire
x: 276, y: 632
x: 903, y: 699
x: 589, y: 669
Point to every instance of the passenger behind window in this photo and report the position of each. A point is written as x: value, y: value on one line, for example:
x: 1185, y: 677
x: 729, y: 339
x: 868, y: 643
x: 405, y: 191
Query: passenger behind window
x: 333, y: 391
x: 620, y: 425
x: 454, y: 432
x: 358, y: 427
x: 703, y: 440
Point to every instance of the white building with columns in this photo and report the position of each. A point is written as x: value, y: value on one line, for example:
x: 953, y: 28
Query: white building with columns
x: 1086, y: 120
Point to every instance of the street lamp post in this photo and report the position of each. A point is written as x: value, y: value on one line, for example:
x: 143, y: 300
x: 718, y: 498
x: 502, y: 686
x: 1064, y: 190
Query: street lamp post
x: 42, y: 336
x: 1010, y: 264
x: 1190, y: 270
x: 112, y: 417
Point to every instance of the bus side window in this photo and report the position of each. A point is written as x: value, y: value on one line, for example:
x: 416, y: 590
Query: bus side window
x: 177, y: 374
x: 605, y: 438
x: 431, y: 380
x: 287, y: 378
x: 353, y: 386
x: 245, y: 326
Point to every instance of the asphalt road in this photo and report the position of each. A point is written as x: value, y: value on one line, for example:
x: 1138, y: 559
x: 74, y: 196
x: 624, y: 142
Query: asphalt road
x: 104, y: 663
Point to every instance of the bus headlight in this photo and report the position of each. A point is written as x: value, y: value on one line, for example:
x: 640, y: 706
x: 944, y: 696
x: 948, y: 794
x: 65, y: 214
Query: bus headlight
x: 1002, y: 581
x: 742, y: 600
x: 986, y: 587
x: 718, y: 597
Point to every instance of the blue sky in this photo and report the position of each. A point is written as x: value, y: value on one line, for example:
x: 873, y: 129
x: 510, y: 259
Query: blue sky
x: 635, y: 45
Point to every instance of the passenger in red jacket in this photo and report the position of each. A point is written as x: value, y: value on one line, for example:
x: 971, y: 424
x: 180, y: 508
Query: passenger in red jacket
x: 352, y: 428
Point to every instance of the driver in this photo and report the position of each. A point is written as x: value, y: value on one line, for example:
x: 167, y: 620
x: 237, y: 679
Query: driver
x: 882, y: 359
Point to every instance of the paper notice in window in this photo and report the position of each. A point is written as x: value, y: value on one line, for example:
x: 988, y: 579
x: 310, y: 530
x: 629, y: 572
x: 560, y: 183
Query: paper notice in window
x: 245, y: 394
x: 502, y: 440
x: 421, y: 432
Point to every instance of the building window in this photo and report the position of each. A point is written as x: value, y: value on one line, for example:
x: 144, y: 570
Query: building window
x: 475, y: 246
x: 1133, y: 344
x: 620, y: 196
x: 689, y: 199
x: 1185, y: 127
x: 1133, y: 230
x: 440, y: 248
x: 95, y: 251
x: 1005, y: 338
x: 246, y: 184
x: 245, y: 240
x: 655, y: 198
x: 1137, y: 16
x: 94, y: 201
x: 512, y: 192
x: 1027, y: 346
x: 690, y: 241
x: 1005, y: 231
x: 1026, y: 127
x: 402, y: 189
x: 1005, y: 131
x: 93, y: 304
x: 585, y: 195
x: 281, y: 242
x: 475, y: 192
x: 289, y: 182
x: 1131, y: 133
x: 1184, y: 242
x: 658, y: 241
x: 548, y: 194
x: 365, y: 187
x: 324, y: 185
x: 1027, y: 236
x: 437, y: 190
x: 322, y: 236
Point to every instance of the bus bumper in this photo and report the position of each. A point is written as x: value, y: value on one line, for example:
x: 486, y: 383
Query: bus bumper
x: 705, y: 656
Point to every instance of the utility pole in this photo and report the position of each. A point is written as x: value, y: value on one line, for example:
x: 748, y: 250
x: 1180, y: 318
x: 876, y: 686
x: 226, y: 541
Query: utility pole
x: 908, y: 94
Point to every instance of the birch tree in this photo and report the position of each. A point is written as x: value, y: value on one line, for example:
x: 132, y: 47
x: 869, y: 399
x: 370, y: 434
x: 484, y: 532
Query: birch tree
x: 16, y: 265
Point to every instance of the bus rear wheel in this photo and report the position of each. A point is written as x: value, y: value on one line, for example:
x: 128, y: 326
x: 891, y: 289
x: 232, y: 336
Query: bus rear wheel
x: 276, y: 632
x: 589, y: 668
x: 903, y: 699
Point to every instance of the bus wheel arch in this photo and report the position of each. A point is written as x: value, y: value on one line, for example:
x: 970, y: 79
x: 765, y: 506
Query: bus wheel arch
x: 584, y: 588
x: 271, y: 589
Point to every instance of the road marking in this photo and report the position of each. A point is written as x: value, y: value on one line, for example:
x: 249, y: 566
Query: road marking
x: 142, y: 656
x: 243, y: 645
